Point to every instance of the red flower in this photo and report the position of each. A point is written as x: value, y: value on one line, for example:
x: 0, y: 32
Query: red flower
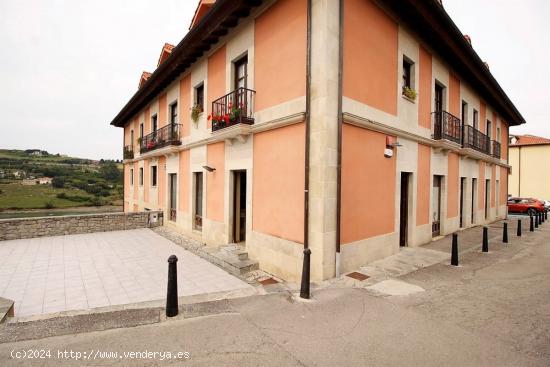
x: 226, y: 118
x: 209, y: 117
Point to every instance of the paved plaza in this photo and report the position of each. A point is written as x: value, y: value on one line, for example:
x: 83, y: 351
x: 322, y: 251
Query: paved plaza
x: 80, y: 272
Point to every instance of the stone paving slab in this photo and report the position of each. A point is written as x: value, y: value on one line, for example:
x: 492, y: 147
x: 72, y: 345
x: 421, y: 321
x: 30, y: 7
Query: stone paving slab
x: 77, y: 272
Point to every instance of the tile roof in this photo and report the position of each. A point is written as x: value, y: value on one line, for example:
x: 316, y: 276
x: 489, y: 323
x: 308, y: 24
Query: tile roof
x: 165, y: 52
x: 144, y: 76
x: 529, y: 140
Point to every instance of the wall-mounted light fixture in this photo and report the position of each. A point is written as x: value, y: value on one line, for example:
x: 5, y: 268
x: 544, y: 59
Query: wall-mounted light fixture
x: 391, y: 143
x: 209, y: 169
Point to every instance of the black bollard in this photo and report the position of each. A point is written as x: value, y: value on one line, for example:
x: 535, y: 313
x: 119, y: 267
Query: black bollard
x: 172, y: 292
x: 531, y: 224
x: 304, y: 289
x: 454, y: 250
x: 546, y: 214
x: 519, y: 228
x: 505, y: 233
x: 542, y: 217
x: 485, y: 246
x: 536, y: 220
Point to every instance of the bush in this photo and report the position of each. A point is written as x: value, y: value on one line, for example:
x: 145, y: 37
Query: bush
x: 49, y: 205
x: 95, y: 201
x: 1, y: 192
x: 61, y: 195
x: 58, y: 182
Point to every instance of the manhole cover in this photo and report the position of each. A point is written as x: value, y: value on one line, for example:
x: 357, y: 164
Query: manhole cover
x: 358, y: 276
x: 268, y: 281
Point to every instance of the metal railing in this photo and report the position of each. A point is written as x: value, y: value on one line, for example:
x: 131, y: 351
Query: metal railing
x: 496, y: 149
x: 446, y: 126
x: 128, y: 152
x: 475, y: 139
x: 167, y: 135
x: 234, y: 108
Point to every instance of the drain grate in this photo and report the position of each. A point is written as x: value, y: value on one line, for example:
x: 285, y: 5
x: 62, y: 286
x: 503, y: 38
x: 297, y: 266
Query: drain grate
x: 268, y: 281
x: 358, y: 276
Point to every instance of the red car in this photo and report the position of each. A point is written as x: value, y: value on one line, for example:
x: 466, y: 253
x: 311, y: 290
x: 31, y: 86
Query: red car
x: 525, y: 205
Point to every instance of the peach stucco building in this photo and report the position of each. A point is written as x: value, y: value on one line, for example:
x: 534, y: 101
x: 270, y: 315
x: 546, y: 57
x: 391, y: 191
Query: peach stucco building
x: 351, y: 127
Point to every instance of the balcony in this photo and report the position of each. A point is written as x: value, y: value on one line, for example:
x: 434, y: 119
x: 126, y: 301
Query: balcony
x: 475, y: 139
x: 232, y: 109
x: 446, y: 126
x: 128, y: 152
x: 165, y: 136
x: 496, y: 149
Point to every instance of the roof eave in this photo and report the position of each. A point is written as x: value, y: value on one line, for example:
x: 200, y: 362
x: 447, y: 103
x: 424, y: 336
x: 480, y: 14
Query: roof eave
x: 224, y: 15
x: 430, y: 20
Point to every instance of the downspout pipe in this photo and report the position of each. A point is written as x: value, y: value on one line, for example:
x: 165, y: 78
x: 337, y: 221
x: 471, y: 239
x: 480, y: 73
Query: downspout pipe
x: 307, y: 127
x: 306, y: 269
x: 123, y: 172
x: 339, y: 144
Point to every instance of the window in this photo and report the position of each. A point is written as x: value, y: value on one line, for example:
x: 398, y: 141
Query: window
x: 154, y: 176
x: 154, y: 123
x: 174, y: 113
x: 141, y: 177
x: 464, y: 113
x: 199, y: 96
x: 489, y: 129
x: 476, y: 121
x: 131, y: 137
x: 408, y: 73
x: 141, y: 130
x: 498, y: 134
x: 241, y: 72
x: 131, y: 177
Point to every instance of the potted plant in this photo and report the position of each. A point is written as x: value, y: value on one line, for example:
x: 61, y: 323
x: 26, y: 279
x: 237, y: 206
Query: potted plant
x: 409, y: 93
x: 196, y: 110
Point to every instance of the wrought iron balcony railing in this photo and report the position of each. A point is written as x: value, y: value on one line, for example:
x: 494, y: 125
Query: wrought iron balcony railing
x: 496, y: 149
x: 475, y: 139
x: 128, y: 152
x: 234, y: 108
x: 165, y: 136
x: 446, y: 126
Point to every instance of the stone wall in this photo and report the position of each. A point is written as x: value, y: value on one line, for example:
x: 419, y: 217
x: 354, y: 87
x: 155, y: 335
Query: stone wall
x: 11, y: 229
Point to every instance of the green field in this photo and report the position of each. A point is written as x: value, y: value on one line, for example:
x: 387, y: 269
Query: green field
x: 17, y: 196
x: 76, y: 182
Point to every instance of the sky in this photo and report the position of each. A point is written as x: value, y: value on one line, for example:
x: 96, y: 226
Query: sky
x: 68, y: 67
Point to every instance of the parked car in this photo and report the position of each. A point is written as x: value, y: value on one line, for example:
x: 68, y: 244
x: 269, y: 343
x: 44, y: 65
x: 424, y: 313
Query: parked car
x: 546, y: 204
x: 525, y: 205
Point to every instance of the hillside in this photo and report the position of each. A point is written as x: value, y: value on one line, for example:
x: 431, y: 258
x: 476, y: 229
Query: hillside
x: 34, y: 179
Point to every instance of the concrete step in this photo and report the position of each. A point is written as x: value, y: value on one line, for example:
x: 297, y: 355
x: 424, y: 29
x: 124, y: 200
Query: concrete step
x: 236, y: 250
x: 233, y: 258
x: 6, y: 309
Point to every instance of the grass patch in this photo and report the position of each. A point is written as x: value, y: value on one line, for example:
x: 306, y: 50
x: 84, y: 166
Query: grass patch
x: 17, y: 196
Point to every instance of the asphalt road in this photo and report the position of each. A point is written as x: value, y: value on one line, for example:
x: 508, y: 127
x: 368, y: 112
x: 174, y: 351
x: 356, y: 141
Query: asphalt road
x: 491, y: 311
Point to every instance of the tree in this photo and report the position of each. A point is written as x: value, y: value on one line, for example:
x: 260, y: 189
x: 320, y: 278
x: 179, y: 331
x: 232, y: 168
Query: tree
x: 110, y: 172
x: 58, y: 182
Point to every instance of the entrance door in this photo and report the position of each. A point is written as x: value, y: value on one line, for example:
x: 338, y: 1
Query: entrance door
x: 474, y: 201
x: 462, y: 188
x: 497, y: 193
x: 173, y: 196
x: 239, y: 206
x: 197, y: 202
x: 438, y: 98
x: 487, y: 197
x: 404, y: 209
x: 436, y: 206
